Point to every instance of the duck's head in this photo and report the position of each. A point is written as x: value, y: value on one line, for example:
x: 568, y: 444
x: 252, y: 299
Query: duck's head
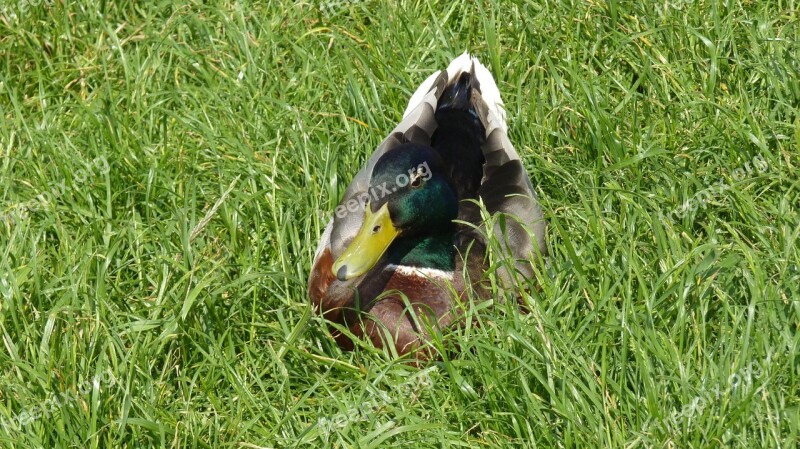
x: 409, y: 197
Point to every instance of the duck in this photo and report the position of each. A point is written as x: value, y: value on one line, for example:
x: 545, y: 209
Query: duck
x: 406, y: 249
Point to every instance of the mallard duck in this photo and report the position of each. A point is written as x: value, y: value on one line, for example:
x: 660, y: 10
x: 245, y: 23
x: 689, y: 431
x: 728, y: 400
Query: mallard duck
x: 407, y: 243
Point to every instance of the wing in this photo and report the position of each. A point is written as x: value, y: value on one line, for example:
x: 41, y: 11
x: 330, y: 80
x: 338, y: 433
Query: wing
x: 506, y: 187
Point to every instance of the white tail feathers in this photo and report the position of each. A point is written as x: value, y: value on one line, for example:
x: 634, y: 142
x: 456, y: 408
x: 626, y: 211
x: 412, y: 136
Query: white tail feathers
x: 420, y: 94
x: 488, y: 89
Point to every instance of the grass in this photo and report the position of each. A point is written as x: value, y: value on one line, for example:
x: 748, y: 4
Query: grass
x: 159, y: 300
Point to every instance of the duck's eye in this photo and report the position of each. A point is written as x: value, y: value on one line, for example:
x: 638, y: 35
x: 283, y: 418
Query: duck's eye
x: 416, y: 182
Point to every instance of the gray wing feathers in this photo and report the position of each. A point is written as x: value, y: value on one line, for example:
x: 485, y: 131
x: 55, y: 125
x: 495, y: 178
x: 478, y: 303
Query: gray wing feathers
x: 506, y: 187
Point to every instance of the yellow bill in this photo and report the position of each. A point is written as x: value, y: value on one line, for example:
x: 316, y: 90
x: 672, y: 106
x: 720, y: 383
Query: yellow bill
x: 376, y: 234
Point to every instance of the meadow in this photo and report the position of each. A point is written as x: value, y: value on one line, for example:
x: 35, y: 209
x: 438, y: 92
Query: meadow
x: 167, y: 168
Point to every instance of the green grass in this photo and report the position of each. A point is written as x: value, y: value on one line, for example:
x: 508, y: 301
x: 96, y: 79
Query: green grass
x: 161, y: 302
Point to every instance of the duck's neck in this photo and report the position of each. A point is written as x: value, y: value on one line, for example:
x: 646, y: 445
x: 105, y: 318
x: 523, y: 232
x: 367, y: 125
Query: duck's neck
x: 432, y: 251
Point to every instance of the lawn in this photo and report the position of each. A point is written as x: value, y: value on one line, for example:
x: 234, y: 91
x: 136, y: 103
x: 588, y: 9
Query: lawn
x: 167, y: 169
